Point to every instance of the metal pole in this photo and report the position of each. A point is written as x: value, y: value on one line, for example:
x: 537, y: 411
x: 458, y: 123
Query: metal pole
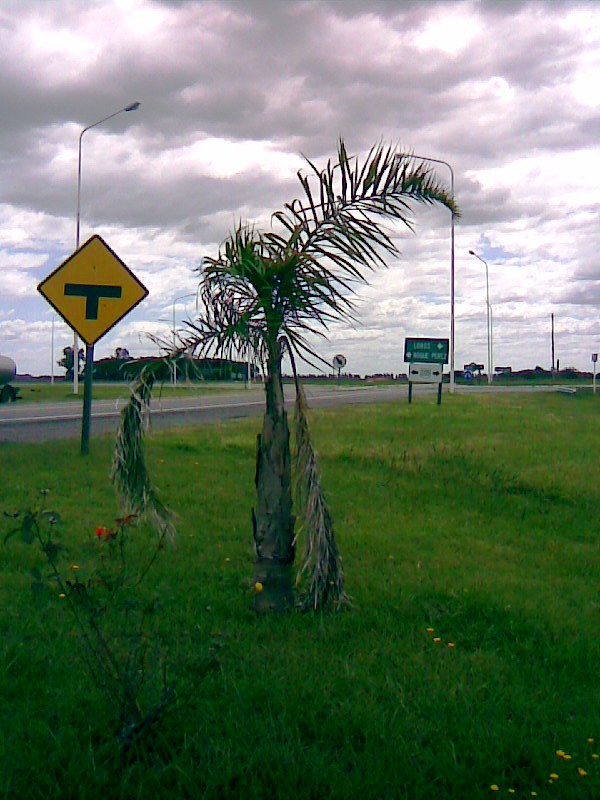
x: 441, y: 161
x: 175, y: 299
x: 553, y: 361
x: 489, y: 314
x: 489, y: 325
x: 174, y: 345
x: 491, y: 343
x: 131, y: 107
x: 52, y: 354
x: 87, y: 400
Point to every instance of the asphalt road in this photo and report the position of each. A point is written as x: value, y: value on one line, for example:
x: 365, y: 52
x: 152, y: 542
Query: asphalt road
x: 40, y: 422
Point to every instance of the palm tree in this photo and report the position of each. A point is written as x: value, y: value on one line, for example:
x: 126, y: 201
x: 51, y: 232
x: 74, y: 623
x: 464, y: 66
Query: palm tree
x: 271, y: 291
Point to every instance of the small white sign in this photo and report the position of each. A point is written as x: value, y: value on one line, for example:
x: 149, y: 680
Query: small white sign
x: 425, y: 373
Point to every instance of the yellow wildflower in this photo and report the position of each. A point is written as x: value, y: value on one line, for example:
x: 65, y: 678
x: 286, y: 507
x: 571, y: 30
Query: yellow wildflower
x: 493, y: 787
x: 590, y: 741
x: 534, y: 794
x: 582, y: 772
x: 74, y: 567
x: 554, y: 776
x: 595, y: 756
x: 511, y: 791
x: 560, y: 753
x: 429, y: 630
x: 62, y: 594
x: 258, y: 586
x: 436, y: 639
x: 450, y: 644
x: 567, y: 757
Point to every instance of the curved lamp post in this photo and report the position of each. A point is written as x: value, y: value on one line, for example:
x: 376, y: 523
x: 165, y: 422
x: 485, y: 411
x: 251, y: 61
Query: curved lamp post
x: 446, y: 164
x: 489, y: 314
x: 130, y: 107
x: 175, y: 299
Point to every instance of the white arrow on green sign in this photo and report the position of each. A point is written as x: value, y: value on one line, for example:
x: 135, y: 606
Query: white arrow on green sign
x: 426, y: 350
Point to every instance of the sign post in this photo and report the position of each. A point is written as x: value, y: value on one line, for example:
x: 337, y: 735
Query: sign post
x: 426, y: 358
x: 594, y: 360
x: 92, y: 290
x: 339, y: 362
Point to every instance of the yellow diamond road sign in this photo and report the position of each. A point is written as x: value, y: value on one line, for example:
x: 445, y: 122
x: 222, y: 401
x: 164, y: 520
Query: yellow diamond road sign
x: 93, y: 290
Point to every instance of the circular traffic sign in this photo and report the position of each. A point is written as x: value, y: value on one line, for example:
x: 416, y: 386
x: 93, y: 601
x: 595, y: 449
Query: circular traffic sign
x: 339, y: 361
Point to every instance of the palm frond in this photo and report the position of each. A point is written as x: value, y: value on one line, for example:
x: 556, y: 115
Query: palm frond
x: 343, y: 226
x: 303, y: 275
x: 129, y: 472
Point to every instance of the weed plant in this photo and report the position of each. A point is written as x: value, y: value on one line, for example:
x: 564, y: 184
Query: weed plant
x: 468, y: 667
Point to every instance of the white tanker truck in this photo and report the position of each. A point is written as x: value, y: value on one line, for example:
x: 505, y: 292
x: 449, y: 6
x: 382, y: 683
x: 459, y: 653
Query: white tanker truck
x: 8, y: 370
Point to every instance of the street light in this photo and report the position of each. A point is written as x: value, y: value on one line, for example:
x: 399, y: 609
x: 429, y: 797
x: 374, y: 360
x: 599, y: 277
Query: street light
x: 489, y: 314
x: 131, y: 107
x: 175, y: 299
x: 446, y: 164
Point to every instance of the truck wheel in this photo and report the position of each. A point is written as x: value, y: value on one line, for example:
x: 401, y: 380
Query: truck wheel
x: 7, y: 394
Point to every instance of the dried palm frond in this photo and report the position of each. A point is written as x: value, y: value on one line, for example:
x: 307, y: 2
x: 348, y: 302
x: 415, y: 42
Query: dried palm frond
x: 320, y: 576
x: 129, y: 472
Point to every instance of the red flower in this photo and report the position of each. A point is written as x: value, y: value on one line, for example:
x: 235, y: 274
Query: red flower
x: 103, y: 533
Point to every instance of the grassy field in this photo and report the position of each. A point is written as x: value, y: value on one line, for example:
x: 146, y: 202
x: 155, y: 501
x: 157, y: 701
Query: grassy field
x: 470, y: 536
x: 41, y: 392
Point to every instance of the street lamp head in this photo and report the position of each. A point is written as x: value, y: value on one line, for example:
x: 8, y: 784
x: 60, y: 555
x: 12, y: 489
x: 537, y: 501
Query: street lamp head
x: 133, y: 107
x: 472, y: 253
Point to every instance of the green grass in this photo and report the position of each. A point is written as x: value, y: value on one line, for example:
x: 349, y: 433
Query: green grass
x: 478, y: 519
x: 41, y: 392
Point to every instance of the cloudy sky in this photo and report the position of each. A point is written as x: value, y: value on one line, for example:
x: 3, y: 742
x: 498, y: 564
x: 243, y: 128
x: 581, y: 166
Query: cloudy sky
x: 233, y: 93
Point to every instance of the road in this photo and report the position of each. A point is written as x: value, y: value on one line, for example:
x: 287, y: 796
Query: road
x: 41, y: 422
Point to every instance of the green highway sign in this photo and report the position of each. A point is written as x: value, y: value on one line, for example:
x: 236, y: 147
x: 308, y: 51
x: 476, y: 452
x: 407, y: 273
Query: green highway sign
x: 426, y: 351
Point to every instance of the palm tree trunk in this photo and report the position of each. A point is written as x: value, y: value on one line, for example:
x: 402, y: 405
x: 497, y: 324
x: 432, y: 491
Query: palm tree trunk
x: 272, y: 520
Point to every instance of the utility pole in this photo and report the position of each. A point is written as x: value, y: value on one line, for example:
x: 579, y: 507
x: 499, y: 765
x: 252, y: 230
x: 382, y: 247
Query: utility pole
x: 553, y: 362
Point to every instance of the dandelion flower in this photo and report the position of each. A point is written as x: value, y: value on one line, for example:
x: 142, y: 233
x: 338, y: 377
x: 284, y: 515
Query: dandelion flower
x: 450, y: 644
x: 429, y: 630
x: 581, y: 771
x: 62, y: 594
x: 554, y: 776
x: 436, y: 639
x: 493, y: 787
x: 560, y: 753
x: 74, y: 567
x: 258, y: 586
x: 590, y: 741
x: 567, y: 757
x: 534, y: 794
x: 595, y: 756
